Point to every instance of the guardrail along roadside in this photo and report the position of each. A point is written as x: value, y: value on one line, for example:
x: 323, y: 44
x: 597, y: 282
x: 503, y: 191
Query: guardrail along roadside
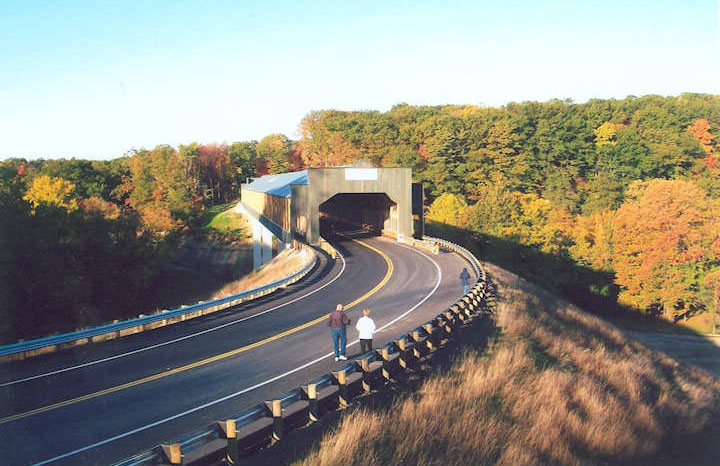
x: 231, y: 439
x: 24, y: 349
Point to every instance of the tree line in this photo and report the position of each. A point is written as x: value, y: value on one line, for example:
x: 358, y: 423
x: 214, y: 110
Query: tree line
x: 83, y: 242
x: 623, y: 192
x: 609, y: 201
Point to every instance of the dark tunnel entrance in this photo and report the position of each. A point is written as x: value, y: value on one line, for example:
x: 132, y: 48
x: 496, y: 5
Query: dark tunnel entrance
x: 371, y: 212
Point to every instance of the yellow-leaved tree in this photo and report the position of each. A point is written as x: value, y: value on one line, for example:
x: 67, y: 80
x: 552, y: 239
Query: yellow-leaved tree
x: 52, y: 191
x: 605, y: 134
x: 447, y: 208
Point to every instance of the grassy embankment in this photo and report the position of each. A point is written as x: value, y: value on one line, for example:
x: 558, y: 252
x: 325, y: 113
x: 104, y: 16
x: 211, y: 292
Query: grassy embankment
x: 223, y: 223
x: 192, y: 282
x: 557, y: 386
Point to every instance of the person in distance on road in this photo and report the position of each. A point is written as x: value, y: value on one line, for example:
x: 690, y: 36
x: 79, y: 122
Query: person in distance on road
x: 465, y: 280
x: 338, y: 322
x: 366, y: 327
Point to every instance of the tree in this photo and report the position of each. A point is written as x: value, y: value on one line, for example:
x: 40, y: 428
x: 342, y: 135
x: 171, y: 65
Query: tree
x: 700, y: 130
x: 447, y: 208
x: 242, y: 159
x: 161, y: 190
x: 605, y: 134
x: 666, y: 239
x: 592, y: 238
x: 215, y: 176
x: 274, y: 150
x: 52, y: 191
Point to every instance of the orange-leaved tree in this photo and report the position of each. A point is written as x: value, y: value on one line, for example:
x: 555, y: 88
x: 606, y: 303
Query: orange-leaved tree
x: 700, y: 130
x: 666, y: 239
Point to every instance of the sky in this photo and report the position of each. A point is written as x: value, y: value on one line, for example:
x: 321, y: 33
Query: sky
x: 97, y: 79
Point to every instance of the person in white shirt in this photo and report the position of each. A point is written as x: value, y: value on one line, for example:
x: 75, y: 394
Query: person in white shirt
x: 366, y: 327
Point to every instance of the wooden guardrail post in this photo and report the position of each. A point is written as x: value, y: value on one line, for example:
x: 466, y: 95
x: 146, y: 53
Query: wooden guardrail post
x: 458, y: 313
x: 403, y: 358
x: 441, y: 324
x: 385, y: 355
x: 275, y: 408
x: 228, y: 431
x: 449, y: 321
x: 430, y: 340
x: 311, y: 392
x: 365, y: 368
x: 341, y: 379
x: 172, y: 453
x: 417, y: 338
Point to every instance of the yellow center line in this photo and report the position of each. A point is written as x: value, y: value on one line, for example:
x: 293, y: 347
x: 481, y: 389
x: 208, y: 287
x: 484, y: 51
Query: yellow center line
x: 212, y: 359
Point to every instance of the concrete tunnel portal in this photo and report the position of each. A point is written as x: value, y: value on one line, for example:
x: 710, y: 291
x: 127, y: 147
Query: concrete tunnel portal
x: 371, y: 212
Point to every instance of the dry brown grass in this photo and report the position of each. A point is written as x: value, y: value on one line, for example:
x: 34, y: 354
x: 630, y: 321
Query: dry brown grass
x: 284, y: 264
x: 559, y: 386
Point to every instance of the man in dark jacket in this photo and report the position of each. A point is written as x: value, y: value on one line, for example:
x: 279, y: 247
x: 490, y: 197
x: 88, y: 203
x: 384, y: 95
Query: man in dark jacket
x: 337, y: 322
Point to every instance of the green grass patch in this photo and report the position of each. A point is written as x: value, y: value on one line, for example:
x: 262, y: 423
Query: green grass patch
x: 223, y: 224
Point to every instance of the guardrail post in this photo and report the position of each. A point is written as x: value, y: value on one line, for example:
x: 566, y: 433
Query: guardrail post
x: 417, y: 338
x: 429, y: 342
x: 341, y: 379
x: 172, y: 453
x: 311, y: 393
x: 227, y: 428
x: 458, y: 313
x: 440, y: 323
x: 385, y: 355
x: 275, y: 407
x: 365, y: 368
x: 403, y: 358
x: 449, y: 321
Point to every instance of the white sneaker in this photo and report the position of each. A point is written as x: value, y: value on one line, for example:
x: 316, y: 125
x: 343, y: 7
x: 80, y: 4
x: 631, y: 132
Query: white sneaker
x: 343, y: 358
x: 336, y: 359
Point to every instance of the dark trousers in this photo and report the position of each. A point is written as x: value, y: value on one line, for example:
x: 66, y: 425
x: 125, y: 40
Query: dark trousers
x: 365, y: 345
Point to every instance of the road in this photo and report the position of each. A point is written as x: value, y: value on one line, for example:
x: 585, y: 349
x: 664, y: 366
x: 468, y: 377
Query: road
x: 101, y: 403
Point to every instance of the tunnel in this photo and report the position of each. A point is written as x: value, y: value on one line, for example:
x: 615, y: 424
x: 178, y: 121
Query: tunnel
x: 371, y: 212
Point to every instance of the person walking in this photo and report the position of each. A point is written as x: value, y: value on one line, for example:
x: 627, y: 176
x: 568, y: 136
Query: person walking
x: 465, y: 280
x: 337, y: 322
x: 366, y: 328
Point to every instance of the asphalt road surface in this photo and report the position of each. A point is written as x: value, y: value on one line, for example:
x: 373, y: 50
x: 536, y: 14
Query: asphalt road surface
x: 103, y: 402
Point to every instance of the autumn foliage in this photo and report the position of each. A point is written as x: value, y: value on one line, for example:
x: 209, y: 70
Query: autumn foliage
x: 609, y: 198
x: 666, y: 239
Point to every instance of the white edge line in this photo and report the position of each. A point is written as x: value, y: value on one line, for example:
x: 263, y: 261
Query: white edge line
x: 169, y: 342
x: 245, y: 390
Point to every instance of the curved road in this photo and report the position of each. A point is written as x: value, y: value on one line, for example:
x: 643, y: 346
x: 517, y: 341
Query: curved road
x: 107, y: 401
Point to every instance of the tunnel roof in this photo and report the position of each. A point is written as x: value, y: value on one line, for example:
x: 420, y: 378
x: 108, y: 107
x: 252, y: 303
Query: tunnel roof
x: 278, y: 185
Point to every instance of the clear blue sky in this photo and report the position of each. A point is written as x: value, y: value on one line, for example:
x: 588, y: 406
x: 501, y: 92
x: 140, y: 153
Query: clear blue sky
x: 94, y: 79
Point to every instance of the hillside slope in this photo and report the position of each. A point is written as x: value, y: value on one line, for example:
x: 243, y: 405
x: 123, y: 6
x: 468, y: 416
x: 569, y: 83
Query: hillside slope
x: 557, y: 386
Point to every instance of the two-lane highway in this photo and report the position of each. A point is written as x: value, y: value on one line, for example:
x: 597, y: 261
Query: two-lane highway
x: 99, y: 404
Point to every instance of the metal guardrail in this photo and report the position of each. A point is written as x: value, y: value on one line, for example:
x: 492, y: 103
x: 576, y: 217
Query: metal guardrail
x: 168, y: 316
x: 397, y: 353
x: 479, y: 271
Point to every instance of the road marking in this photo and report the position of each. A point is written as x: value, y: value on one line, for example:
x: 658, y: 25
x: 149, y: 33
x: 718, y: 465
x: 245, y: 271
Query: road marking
x: 241, y: 392
x: 210, y: 360
x: 169, y: 342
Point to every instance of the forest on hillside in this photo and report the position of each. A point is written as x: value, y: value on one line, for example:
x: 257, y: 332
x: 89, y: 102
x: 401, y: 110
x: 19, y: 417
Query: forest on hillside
x: 613, y: 203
